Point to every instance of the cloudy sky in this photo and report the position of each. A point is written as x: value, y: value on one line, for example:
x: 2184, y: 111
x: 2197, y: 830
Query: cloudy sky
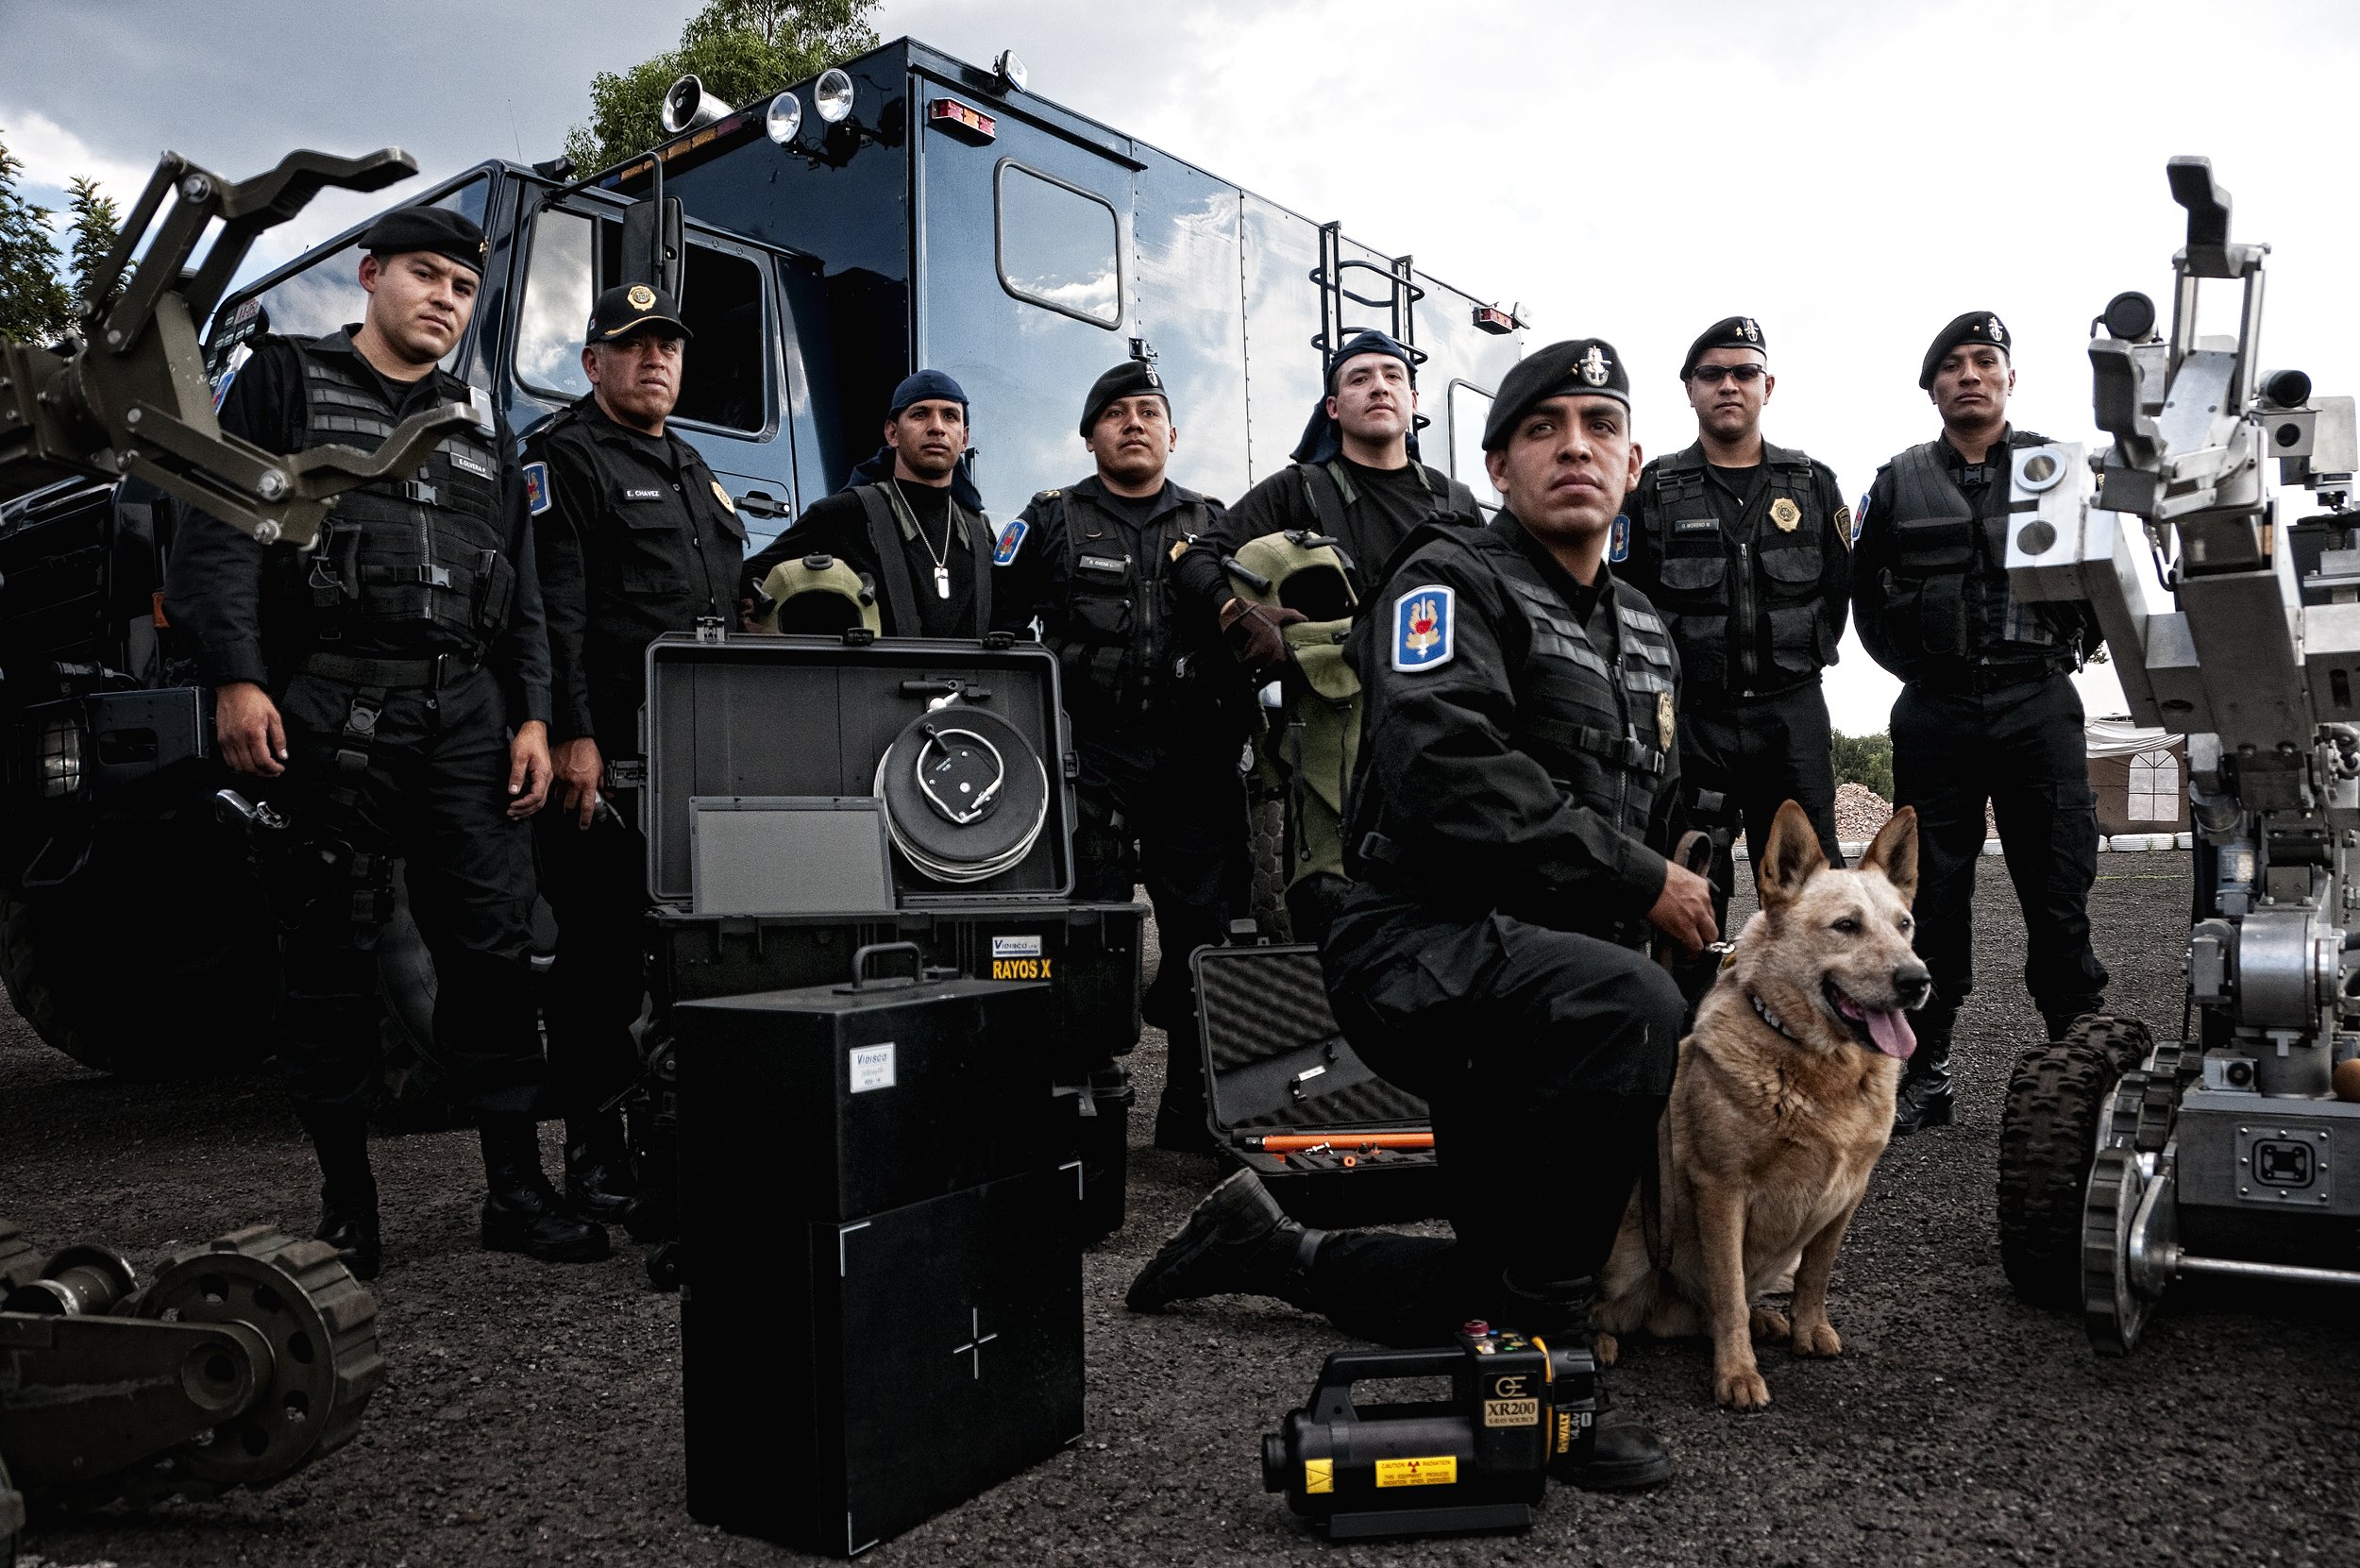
x: 1851, y: 176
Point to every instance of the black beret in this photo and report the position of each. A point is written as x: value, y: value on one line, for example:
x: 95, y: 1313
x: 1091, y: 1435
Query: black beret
x: 1127, y: 379
x: 1728, y: 333
x: 429, y: 229
x: 628, y: 307
x: 1974, y: 326
x: 1581, y: 367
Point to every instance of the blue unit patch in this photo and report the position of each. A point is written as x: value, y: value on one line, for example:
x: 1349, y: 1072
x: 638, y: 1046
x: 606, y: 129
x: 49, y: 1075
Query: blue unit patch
x: 536, y: 487
x: 1618, y: 542
x: 1860, y: 518
x: 1422, y: 625
x: 1011, y: 540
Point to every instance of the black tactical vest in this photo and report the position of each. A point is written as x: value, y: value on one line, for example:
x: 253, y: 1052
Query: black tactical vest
x: 1120, y: 652
x: 401, y: 557
x: 1948, y: 596
x: 1600, y: 719
x: 1744, y: 603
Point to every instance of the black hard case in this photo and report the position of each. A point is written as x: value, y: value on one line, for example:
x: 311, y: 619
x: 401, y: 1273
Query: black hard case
x: 885, y: 1318
x: 843, y: 1382
x: 775, y: 1079
x: 1275, y: 1062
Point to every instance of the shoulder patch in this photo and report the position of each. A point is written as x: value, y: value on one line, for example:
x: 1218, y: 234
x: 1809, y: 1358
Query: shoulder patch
x: 536, y: 487
x: 1047, y: 495
x: 1844, y: 529
x: 1859, y: 520
x: 1424, y: 626
x: 1618, y: 542
x: 1011, y: 540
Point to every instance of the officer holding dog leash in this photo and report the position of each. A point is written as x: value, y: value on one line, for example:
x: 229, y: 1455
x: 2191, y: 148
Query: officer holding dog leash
x: 1516, y: 791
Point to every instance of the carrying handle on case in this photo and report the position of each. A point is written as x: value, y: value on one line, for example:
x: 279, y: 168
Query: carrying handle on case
x: 861, y: 977
x: 1332, y: 1400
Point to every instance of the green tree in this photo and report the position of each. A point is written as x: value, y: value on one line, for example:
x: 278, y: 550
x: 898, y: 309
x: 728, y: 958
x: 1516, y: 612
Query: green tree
x: 34, y: 306
x: 97, y: 223
x: 740, y: 49
x: 1863, y: 760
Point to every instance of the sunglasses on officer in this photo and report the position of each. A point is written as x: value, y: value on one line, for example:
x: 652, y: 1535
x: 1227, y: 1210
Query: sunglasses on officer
x: 1742, y: 374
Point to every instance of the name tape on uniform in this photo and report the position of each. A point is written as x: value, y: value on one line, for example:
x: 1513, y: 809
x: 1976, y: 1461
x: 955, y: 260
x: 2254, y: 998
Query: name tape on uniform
x: 1425, y: 623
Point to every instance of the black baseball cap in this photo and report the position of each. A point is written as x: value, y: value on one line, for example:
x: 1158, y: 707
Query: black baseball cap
x: 627, y: 308
x: 436, y: 230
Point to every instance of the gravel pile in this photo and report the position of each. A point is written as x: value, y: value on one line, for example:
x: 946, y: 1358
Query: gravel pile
x: 1859, y: 811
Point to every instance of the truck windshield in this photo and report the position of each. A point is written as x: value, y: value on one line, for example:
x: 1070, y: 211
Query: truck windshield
x: 722, y: 381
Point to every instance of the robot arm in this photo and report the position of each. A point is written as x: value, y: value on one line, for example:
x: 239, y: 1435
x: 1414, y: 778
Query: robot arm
x: 129, y: 396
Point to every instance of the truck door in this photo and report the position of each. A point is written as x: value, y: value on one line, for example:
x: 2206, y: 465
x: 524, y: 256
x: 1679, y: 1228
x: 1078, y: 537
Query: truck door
x: 1024, y: 281
x: 733, y: 407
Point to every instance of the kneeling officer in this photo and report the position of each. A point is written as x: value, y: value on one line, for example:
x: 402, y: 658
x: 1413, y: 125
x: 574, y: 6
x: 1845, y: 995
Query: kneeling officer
x: 1516, y: 784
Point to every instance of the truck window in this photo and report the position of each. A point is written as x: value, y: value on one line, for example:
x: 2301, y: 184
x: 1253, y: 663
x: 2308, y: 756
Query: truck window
x: 1060, y: 246
x: 724, y: 382
x: 1470, y: 406
x: 326, y: 295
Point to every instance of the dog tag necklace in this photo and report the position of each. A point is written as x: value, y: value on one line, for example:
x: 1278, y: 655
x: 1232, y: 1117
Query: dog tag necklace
x: 941, y: 557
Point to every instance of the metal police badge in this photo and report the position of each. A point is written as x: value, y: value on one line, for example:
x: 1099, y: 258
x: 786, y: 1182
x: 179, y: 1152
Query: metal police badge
x: 1997, y: 333
x: 1784, y: 513
x: 641, y: 296
x: 1747, y: 331
x: 1423, y: 622
x: 1011, y: 540
x: 1663, y: 724
x: 1593, y: 367
x: 1618, y: 541
x: 723, y: 496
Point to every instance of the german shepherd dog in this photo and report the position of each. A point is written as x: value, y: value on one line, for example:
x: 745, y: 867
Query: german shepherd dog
x: 1782, y: 1101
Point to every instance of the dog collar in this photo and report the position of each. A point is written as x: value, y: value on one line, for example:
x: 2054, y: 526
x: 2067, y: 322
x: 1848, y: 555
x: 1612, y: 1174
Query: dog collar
x: 1768, y: 1017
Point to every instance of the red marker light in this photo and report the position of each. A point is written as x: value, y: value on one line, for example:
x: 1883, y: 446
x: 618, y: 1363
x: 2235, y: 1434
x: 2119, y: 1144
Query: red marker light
x: 1495, y: 320
x: 956, y: 117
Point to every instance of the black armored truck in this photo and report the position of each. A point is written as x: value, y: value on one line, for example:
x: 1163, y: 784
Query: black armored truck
x: 905, y: 209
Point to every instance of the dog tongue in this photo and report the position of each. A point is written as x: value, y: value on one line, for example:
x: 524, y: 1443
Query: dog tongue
x: 1890, y: 1029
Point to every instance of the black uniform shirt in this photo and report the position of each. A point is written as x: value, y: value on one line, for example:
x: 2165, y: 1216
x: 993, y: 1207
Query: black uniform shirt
x: 636, y: 538
x: 1392, y: 502
x: 213, y: 587
x: 1032, y: 577
x: 1440, y: 769
x: 838, y: 525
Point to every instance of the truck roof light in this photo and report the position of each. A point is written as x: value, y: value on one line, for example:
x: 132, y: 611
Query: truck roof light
x: 971, y: 124
x: 1011, y: 70
x: 784, y: 118
x: 832, y: 95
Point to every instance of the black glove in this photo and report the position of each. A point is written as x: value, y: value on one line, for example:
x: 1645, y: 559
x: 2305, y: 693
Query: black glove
x: 1256, y: 635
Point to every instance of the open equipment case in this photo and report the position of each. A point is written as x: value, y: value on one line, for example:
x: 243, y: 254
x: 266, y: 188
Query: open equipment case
x: 790, y: 743
x: 1276, y: 1063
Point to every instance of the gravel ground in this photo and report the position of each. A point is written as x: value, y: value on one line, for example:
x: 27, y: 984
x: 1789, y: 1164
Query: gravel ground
x: 532, y: 1414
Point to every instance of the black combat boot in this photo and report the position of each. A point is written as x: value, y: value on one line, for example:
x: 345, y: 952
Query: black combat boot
x: 522, y: 1213
x: 348, y: 1189
x: 1237, y: 1241
x: 599, y: 1181
x: 1926, y: 1098
x: 1624, y: 1454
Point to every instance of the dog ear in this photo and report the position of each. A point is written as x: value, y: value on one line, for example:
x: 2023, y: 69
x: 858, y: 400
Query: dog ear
x: 1790, y: 859
x: 1893, y: 851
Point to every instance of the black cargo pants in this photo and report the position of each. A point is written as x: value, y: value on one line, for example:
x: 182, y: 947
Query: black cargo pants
x: 425, y: 780
x: 1169, y: 813
x: 595, y: 882
x: 1546, y: 1058
x: 2022, y: 749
